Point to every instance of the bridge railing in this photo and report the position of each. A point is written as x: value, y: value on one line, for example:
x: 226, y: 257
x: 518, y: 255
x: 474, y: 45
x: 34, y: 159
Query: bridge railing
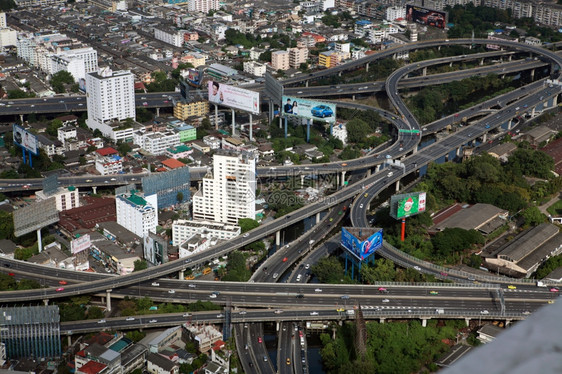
x: 401, y: 255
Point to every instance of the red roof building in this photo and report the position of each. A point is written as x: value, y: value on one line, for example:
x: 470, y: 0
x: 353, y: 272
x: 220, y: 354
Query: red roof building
x: 107, y: 151
x: 92, y: 367
x: 172, y: 163
x: 87, y: 216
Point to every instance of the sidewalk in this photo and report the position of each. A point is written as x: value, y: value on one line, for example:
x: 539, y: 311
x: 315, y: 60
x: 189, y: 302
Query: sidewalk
x: 545, y: 206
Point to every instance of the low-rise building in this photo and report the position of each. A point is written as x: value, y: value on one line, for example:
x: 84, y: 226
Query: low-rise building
x: 488, y: 333
x: 523, y: 255
x: 186, y: 109
x: 156, y: 143
x: 204, y: 336
x: 181, y: 151
x: 65, y: 197
x: 157, y: 364
x: 165, y: 338
x: 184, y: 229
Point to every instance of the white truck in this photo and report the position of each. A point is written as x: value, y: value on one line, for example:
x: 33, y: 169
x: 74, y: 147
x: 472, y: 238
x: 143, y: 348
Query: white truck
x: 350, y: 312
x: 440, y: 311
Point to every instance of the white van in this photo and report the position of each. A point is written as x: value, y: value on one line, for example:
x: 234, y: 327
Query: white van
x: 389, y: 174
x: 299, y: 277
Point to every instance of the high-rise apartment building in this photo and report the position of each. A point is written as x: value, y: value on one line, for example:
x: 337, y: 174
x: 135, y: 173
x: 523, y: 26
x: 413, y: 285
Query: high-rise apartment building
x: 297, y: 56
x: 280, y: 60
x: 135, y: 213
x: 203, y: 6
x: 110, y: 98
x: 229, y: 192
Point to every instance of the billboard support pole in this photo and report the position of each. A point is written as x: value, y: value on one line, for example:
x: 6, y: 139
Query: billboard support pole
x: 331, y: 129
x: 308, y: 130
x: 251, y: 137
x: 233, y: 123
x: 23, y: 155
x: 403, y: 234
x: 30, y: 160
x: 216, y: 117
x: 285, y: 118
x: 39, y: 241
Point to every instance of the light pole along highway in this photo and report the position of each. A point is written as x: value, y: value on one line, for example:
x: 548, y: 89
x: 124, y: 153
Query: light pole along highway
x: 294, y: 217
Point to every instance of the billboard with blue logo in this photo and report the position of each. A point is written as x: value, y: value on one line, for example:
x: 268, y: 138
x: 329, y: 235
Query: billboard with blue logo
x: 361, y: 249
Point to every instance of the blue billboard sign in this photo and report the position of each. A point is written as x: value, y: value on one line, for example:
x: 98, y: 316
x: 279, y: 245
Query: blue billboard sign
x: 361, y: 249
x: 309, y: 109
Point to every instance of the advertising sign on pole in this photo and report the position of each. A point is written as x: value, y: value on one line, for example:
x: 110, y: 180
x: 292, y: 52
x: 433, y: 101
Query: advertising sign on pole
x: 361, y: 249
x: 426, y: 16
x: 25, y: 139
x: 80, y: 244
x: 406, y: 205
x: 234, y: 97
x: 309, y: 109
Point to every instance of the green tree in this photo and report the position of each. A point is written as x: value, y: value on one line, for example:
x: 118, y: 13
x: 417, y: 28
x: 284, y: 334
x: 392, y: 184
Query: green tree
x: 123, y: 148
x: 53, y: 127
x: 328, y: 270
x: 357, y: 130
x: 28, y: 284
x: 6, y: 225
x: 140, y: 265
x: 179, y: 197
x: 95, y: 312
x: 247, y: 224
x: 533, y: 216
x: 383, y: 271
x: 61, y: 78
x: 237, y: 271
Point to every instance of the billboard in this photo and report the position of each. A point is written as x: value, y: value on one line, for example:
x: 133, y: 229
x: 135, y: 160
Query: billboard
x: 35, y: 216
x: 233, y: 97
x: 155, y: 249
x: 273, y: 88
x: 426, y: 16
x: 25, y: 139
x: 361, y: 249
x: 309, y: 109
x: 80, y: 244
x: 406, y: 205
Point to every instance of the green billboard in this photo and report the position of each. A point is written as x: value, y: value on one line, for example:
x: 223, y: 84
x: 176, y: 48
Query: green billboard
x: 406, y: 205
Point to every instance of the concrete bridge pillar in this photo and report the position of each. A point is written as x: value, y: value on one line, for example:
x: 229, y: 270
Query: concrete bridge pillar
x: 484, y: 137
x: 46, y: 302
x: 302, y: 180
x: 458, y: 152
x: 509, y: 124
x: 381, y: 320
x: 343, y: 178
x: 69, y: 340
x: 353, y: 97
x: 424, y: 71
x: 339, y: 74
x: 555, y: 101
x: 306, y: 83
x: 108, y: 300
x: 181, y: 274
x: 317, y: 217
x: 157, y: 112
x: 507, y: 322
x: 368, y: 172
x: 509, y: 58
x: 532, y: 73
x: 21, y: 118
x: 451, y: 64
x: 378, y: 168
x: 397, y: 185
x: 278, y: 238
x: 467, y: 321
x: 94, y: 189
x: 367, y: 67
x: 424, y: 322
x: 481, y: 62
x: 277, y: 324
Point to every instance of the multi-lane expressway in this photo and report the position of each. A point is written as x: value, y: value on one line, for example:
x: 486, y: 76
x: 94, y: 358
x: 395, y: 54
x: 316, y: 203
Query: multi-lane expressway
x: 429, y: 154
